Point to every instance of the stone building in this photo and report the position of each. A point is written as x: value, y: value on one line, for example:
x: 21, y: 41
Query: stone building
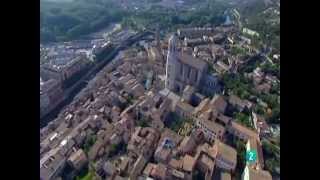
x: 52, y: 165
x: 64, y: 72
x: 226, y: 157
x: 183, y: 69
x: 51, y: 94
x: 211, y: 130
x: 78, y: 159
x: 195, y: 32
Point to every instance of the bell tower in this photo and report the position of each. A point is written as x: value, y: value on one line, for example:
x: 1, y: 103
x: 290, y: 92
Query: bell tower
x: 172, y: 63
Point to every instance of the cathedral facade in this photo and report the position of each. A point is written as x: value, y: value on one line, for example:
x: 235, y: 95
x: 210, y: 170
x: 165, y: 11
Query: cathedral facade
x: 183, y: 69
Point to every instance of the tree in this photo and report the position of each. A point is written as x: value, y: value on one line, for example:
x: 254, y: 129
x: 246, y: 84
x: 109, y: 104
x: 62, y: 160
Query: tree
x: 244, y: 119
x: 267, y: 147
x: 241, y: 154
x: 78, y: 30
x: 90, y: 140
x: 236, y: 50
x: 77, y: 18
x: 271, y: 68
x: 46, y: 36
x: 271, y: 165
x: 142, y: 122
x: 275, y: 88
x: 55, y: 10
x: 117, y: 148
x: 275, y: 117
x: 259, y: 109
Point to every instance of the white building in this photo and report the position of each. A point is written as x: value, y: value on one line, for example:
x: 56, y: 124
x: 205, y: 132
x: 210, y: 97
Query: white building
x: 254, y: 174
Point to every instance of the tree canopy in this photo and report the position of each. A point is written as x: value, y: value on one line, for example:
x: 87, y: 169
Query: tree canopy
x: 66, y: 21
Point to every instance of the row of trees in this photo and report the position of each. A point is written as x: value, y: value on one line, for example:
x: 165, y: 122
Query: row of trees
x: 241, y: 157
x: 244, y: 119
x: 170, y: 19
x: 272, y: 153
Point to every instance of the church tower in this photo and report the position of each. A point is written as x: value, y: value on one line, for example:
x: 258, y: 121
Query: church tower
x: 158, y: 38
x: 172, y: 62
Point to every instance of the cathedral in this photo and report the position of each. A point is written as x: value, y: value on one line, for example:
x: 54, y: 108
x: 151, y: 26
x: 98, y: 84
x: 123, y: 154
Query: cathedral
x: 184, y: 70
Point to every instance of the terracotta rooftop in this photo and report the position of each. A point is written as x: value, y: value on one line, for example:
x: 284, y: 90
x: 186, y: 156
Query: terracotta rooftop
x: 219, y: 103
x: 162, y: 153
x: 209, y: 150
x: 78, y: 156
x: 148, y: 169
x: 213, y: 126
x: 205, y: 159
x: 226, y: 151
x: 177, y: 164
x: 244, y: 130
x: 235, y: 100
x: 223, y: 118
x: 203, y: 106
x: 167, y: 133
x: 186, y: 107
x: 186, y: 142
x: 159, y: 171
x: 188, y: 163
x: 258, y: 174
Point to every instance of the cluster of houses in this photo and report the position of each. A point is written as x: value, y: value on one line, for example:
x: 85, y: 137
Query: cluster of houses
x: 61, y: 62
x: 103, y: 109
x: 118, y: 125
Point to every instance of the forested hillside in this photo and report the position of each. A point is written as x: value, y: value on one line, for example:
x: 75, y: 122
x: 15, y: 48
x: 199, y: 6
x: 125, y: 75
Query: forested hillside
x: 67, y: 20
